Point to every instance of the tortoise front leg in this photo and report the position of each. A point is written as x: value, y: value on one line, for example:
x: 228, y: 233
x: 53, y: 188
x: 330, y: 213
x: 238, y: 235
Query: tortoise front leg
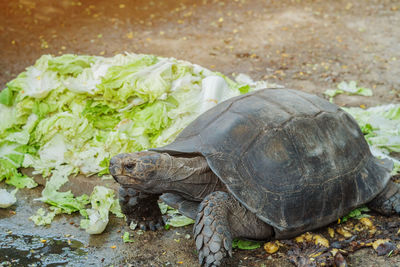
x: 140, y: 208
x: 220, y: 219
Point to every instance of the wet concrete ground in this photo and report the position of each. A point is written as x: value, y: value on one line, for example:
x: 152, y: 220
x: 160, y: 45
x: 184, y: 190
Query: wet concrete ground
x: 306, y: 45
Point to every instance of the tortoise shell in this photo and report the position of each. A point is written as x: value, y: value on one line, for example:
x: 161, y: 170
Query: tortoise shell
x: 294, y: 159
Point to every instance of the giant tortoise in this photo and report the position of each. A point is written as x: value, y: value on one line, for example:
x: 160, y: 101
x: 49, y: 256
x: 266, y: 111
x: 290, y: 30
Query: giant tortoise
x: 269, y: 164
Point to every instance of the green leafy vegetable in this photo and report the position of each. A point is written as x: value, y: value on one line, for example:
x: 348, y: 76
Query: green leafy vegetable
x: 6, y: 97
x: 11, y: 158
x: 70, y: 114
x: 65, y: 201
x: 350, y: 88
x: 381, y: 128
x: 103, y: 202
x: 126, y: 238
x: 356, y: 214
x: 41, y: 218
x: 70, y: 64
x: 7, y: 199
x: 179, y: 221
x: 245, y: 244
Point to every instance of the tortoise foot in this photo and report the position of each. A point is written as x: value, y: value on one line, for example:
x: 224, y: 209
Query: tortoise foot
x: 140, y: 209
x: 387, y: 202
x: 211, y: 231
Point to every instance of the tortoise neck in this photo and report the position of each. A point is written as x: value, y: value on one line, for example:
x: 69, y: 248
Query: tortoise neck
x: 190, y: 177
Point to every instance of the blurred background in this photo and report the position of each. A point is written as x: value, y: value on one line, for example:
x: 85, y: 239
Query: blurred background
x: 307, y: 45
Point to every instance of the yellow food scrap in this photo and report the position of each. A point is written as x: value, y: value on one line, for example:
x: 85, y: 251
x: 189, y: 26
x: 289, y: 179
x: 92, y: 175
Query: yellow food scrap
x: 372, y: 230
x: 308, y: 236
x: 334, y: 251
x: 344, y: 232
x: 358, y: 227
x: 378, y: 242
x: 43, y: 240
x: 331, y: 232
x: 271, y: 247
x: 367, y: 222
x: 314, y: 255
x: 320, y: 240
x: 316, y: 239
x: 113, y: 247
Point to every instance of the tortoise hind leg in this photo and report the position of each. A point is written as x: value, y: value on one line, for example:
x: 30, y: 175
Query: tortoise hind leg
x: 388, y: 201
x: 221, y: 218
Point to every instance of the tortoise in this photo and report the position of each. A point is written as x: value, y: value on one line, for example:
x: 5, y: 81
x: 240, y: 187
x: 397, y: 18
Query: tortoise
x: 269, y: 164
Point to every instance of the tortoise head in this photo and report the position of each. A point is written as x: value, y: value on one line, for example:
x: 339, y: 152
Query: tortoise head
x: 137, y: 169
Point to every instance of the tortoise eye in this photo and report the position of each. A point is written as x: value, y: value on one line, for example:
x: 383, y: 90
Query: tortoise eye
x: 129, y: 166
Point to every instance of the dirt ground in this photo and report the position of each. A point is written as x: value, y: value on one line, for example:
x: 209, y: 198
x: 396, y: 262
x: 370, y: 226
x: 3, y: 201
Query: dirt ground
x: 306, y: 45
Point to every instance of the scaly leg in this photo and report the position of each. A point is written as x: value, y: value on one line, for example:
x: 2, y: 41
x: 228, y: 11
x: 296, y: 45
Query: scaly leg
x: 221, y: 218
x: 387, y: 202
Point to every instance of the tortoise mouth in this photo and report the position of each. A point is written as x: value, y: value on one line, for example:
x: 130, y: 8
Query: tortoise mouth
x: 125, y: 180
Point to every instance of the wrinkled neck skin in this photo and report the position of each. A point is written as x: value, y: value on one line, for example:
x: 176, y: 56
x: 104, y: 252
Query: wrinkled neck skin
x: 189, y: 177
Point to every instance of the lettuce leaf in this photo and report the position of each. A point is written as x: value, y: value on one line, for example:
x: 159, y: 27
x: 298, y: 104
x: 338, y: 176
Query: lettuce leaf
x: 103, y: 202
x: 7, y: 199
x: 381, y: 128
x: 6, y: 97
x: 65, y: 201
x: 11, y: 158
x: 349, y: 88
x: 245, y: 244
x: 70, y: 64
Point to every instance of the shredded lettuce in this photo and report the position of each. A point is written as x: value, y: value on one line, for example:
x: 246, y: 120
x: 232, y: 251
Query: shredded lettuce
x: 245, y: 244
x: 381, y: 128
x: 70, y: 114
x: 11, y: 158
x: 103, y: 202
x: 179, y: 221
x: 126, y: 238
x: 43, y: 218
x: 7, y: 199
x: 349, y: 88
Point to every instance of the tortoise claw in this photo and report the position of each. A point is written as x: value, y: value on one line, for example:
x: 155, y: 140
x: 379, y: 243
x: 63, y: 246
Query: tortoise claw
x: 140, y: 209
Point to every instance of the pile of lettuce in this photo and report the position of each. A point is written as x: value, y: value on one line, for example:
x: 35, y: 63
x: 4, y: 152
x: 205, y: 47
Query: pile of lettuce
x: 70, y: 114
x: 381, y: 128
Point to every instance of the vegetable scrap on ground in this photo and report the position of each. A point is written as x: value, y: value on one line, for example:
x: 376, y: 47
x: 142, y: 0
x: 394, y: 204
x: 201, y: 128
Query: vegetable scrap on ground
x: 67, y: 115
